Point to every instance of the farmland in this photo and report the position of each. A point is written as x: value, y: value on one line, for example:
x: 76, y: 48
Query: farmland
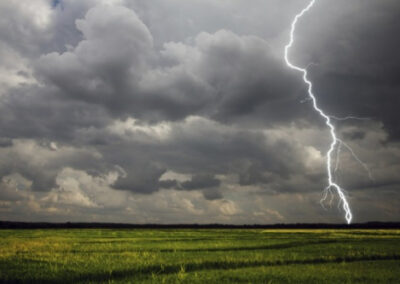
x: 199, y: 256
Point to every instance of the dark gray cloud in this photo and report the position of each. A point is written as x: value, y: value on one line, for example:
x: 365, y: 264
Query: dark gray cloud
x: 357, y: 63
x: 165, y: 108
x: 201, y: 181
x: 353, y: 135
x: 6, y: 142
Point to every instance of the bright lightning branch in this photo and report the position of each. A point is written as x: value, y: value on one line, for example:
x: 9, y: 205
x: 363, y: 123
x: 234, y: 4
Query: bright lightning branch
x: 335, y: 141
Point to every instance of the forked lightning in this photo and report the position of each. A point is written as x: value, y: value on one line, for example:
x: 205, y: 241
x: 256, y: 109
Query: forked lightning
x: 331, y: 183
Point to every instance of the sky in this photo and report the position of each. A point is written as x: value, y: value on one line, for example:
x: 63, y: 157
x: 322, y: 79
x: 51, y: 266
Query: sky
x: 184, y: 111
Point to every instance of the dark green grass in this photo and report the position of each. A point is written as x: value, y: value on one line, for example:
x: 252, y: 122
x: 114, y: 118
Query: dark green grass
x: 199, y: 256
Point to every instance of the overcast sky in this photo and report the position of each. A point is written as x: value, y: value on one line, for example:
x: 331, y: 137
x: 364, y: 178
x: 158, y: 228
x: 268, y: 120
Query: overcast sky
x: 183, y: 111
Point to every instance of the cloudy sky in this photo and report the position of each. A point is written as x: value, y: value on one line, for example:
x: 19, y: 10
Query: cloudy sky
x: 183, y: 111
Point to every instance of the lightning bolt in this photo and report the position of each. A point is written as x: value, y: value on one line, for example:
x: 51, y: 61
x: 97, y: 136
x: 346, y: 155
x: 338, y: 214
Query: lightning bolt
x: 335, y: 140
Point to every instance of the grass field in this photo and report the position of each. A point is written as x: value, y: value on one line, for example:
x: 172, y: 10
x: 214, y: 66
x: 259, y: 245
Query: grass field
x: 199, y: 256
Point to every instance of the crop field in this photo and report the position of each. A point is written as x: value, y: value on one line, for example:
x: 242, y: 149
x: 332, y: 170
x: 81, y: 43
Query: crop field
x: 199, y: 256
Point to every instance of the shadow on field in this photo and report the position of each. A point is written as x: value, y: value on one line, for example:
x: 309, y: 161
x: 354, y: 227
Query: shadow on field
x: 250, y: 248
x: 158, y: 240
x: 17, y: 263
x: 148, y: 271
x: 107, y: 240
x: 265, y: 247
x: 213, y: 265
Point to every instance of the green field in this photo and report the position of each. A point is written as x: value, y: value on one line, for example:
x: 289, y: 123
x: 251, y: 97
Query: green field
x: 199, y: 256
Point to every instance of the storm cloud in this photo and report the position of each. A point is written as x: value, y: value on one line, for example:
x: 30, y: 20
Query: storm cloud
x: 170, y: 111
